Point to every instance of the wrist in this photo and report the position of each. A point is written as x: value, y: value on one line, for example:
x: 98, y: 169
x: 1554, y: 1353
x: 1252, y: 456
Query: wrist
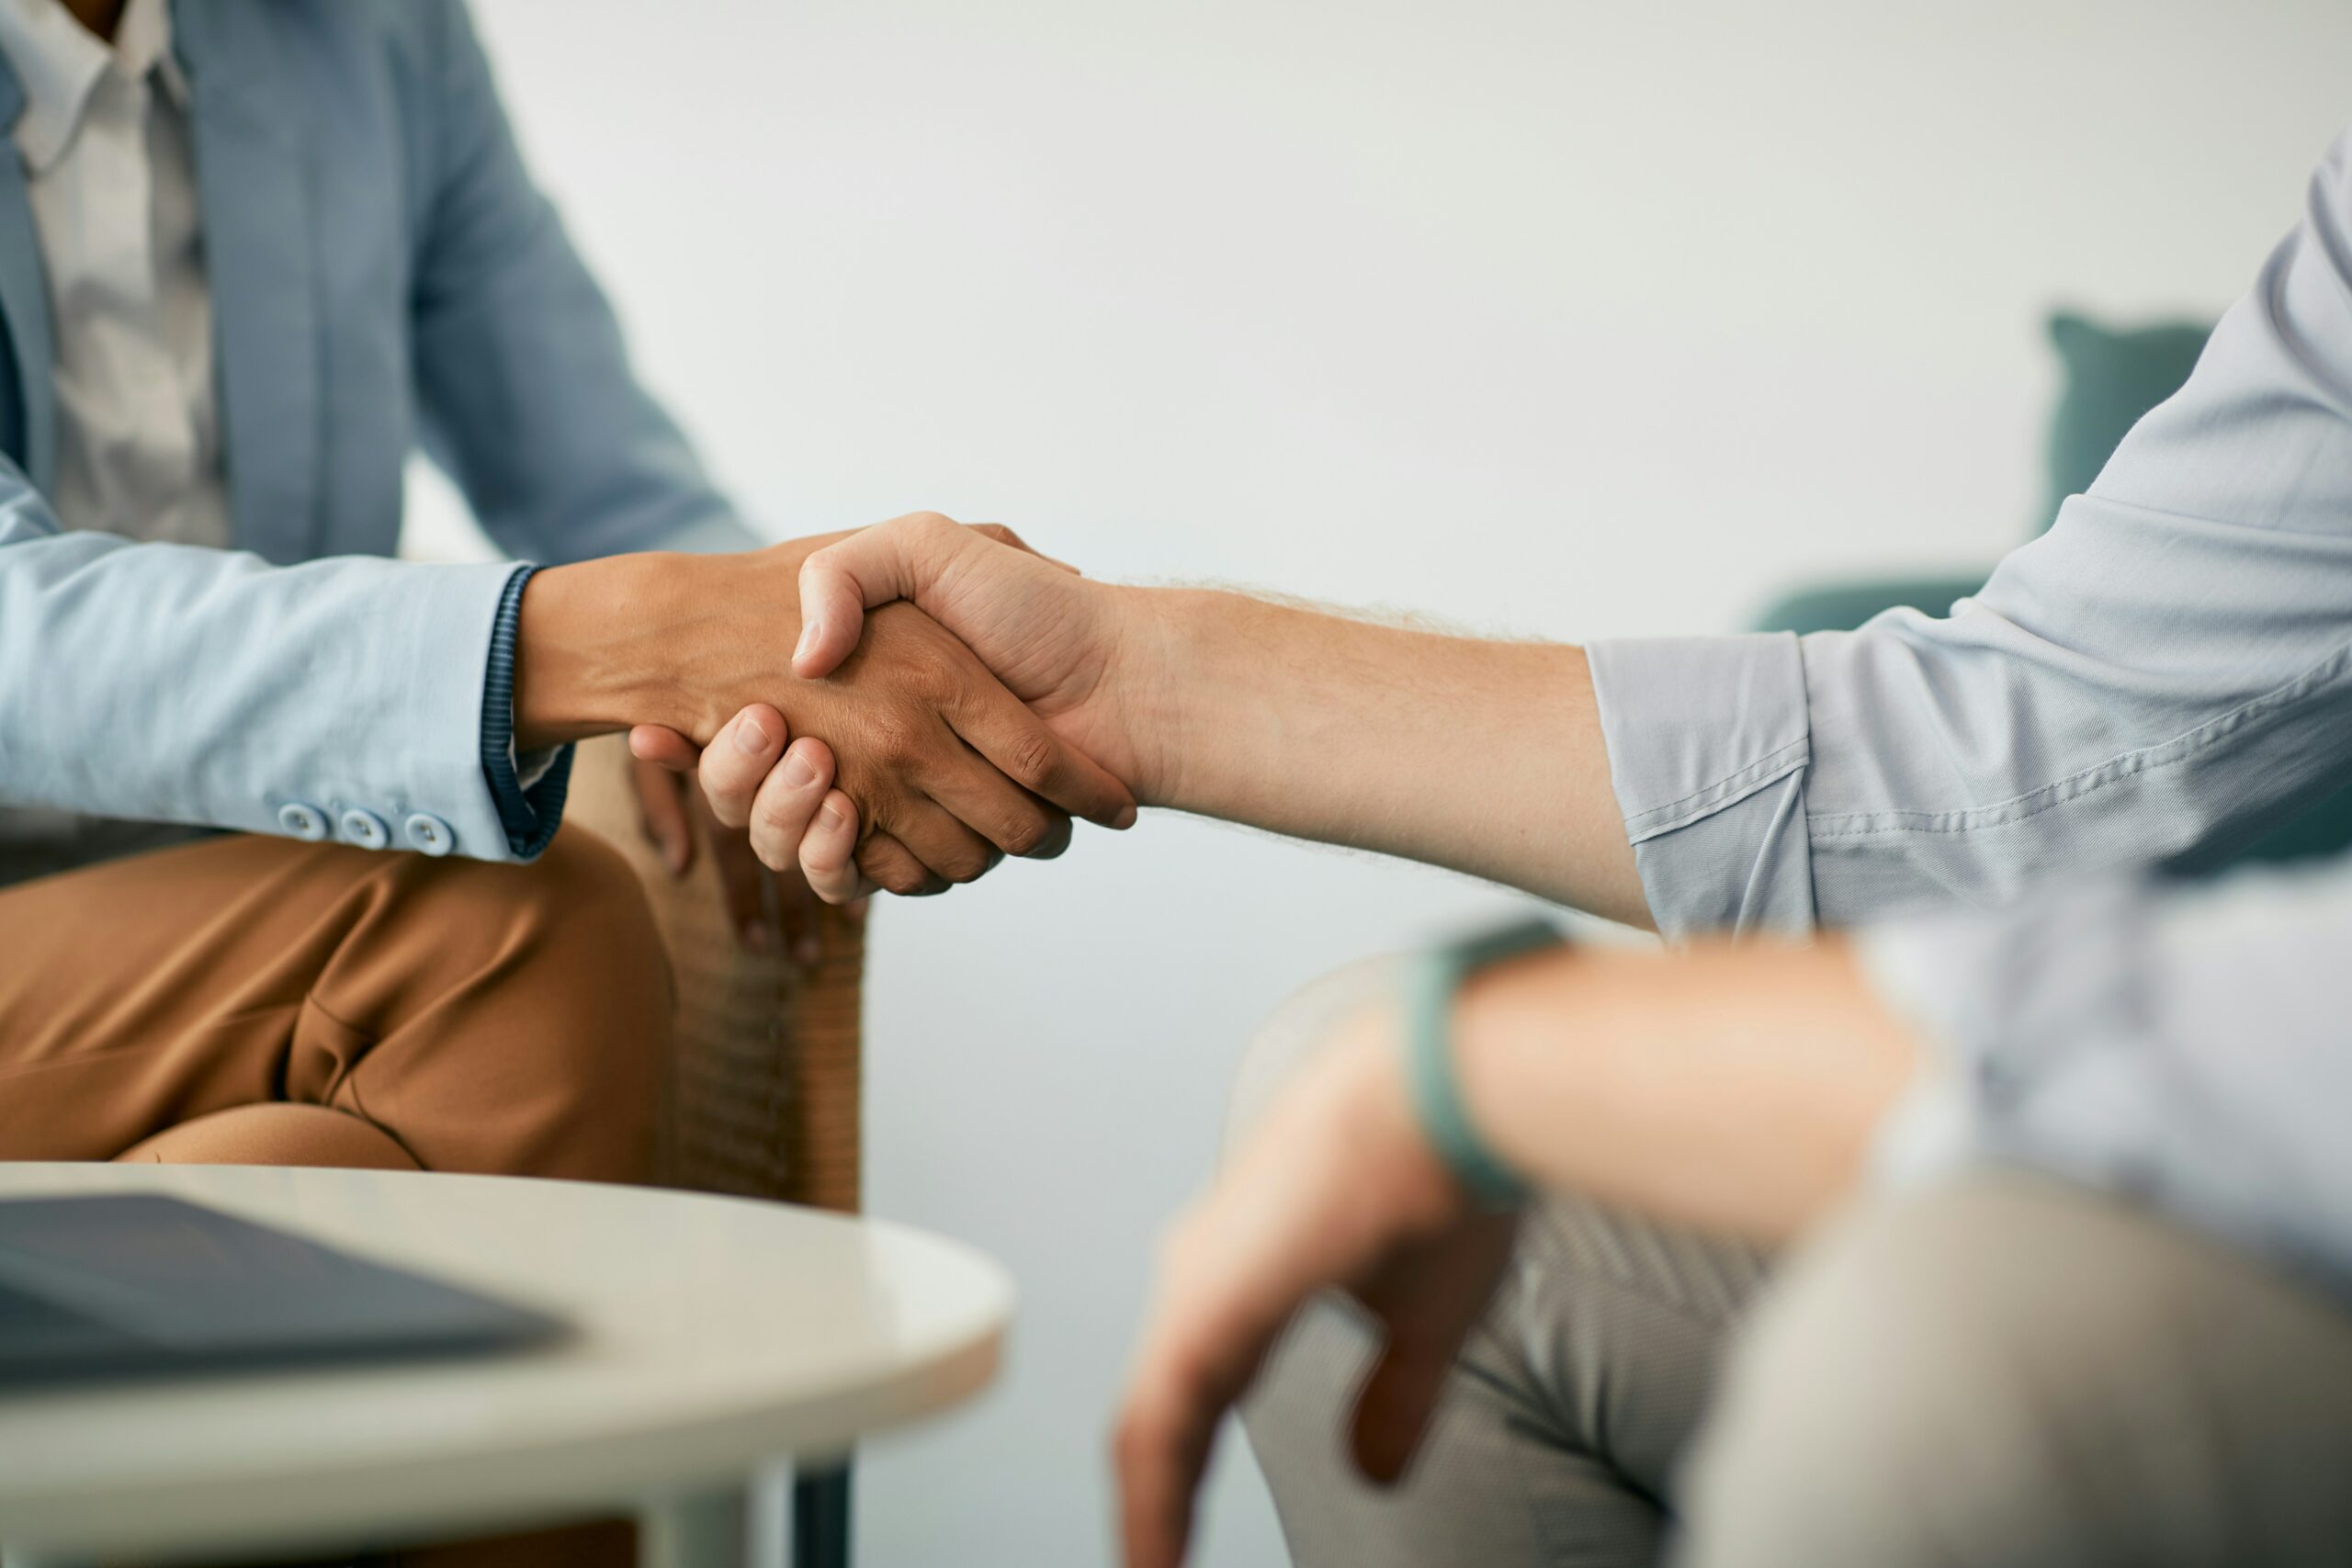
x: 1374, y: 1114
x: 1184, y: 718
x: 1136, y: 698
x: 604, y: 645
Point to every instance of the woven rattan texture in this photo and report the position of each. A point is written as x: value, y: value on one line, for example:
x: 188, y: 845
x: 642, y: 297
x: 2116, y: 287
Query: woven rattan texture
x: 762, y: 1096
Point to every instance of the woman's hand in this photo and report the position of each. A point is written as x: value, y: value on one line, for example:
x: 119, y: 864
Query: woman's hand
x: 1335, y: 1187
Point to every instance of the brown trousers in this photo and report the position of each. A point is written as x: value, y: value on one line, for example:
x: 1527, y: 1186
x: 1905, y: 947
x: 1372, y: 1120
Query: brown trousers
x: 259, y: 1001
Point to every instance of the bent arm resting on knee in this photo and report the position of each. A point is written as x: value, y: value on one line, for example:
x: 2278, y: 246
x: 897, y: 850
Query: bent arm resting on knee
x: 2180, y: 1048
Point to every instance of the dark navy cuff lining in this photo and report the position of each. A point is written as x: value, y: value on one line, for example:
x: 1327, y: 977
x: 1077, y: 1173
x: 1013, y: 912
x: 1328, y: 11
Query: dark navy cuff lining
x: 530, y: 816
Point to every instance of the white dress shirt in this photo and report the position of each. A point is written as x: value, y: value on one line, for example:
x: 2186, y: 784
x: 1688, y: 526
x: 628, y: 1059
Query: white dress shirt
x: 106, y: 144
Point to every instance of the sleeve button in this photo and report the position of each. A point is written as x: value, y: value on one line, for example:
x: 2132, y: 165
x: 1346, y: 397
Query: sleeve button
x: 365, y: 828
x: 428, y: 835
x: 302, y: 821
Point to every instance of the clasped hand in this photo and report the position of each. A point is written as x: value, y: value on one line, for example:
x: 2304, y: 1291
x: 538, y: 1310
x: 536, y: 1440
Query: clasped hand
x: 930, y: 738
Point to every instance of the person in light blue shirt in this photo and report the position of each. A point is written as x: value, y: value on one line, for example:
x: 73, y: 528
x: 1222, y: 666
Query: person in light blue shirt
x: 2015, y: 1227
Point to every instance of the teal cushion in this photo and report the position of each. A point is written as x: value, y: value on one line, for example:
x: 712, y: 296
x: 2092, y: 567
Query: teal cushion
x: 2111, y: 376
x: 1842, y: 606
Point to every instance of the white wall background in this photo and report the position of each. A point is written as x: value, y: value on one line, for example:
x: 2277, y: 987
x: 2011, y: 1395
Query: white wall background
x: 1567, y: 319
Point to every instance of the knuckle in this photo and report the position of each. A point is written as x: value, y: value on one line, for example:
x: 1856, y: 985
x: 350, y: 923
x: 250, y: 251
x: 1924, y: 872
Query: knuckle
x: 1025, y: 834
x: 964, y: 863
x: 775, y: 816
x: 932, y: 676
x: 889, y: 870
x: 1031, y: 759
x: 922, y: 526
x: 894, y: 738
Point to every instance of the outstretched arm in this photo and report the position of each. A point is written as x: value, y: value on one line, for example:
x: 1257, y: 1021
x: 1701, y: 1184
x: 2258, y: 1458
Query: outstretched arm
x: 2168, y: 669
x: 1479, y: 755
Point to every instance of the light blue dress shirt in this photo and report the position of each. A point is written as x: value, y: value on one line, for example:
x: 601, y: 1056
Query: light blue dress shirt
x: 2170, y: 667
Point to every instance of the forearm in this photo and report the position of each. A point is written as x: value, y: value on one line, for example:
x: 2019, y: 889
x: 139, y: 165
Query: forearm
x: 1733, y: 1088
x: 1480, y: 755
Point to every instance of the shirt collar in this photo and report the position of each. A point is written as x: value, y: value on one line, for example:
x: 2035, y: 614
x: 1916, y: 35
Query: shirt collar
x: 58, y: 62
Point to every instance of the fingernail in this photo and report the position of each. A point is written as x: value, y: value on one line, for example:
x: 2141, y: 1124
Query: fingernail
x: 832, y: 815
x: 807, y: 641
x: 797, y: 773
x: 756, y: 937
x: 748, y: 737
x: 1125, y: 819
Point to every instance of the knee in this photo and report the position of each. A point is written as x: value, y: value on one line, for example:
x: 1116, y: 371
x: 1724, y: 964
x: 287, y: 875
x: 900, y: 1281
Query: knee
x: 1838, y: 1435
x: 570, y: 982
x: 603, y: 972
x: 591, y: 920
x: 586, y: 909
x: 1927, y: 1382
x: 573, y: 924
x: 1291, y: 1034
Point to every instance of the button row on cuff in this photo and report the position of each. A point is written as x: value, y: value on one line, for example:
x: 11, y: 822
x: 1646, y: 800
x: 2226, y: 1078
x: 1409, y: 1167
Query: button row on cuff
x: 421, y: 831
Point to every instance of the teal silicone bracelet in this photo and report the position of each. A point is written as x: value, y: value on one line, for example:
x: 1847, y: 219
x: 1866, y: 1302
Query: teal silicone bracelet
x: 1432, y: 979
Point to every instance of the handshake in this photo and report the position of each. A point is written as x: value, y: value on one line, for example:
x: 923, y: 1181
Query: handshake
x: 897, y: 707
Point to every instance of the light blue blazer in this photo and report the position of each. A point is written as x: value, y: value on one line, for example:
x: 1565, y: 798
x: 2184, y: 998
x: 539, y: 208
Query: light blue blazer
x: 384, y: 274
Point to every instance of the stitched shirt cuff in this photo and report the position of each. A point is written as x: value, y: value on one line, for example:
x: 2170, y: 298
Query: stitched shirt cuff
x: 1708, y: 742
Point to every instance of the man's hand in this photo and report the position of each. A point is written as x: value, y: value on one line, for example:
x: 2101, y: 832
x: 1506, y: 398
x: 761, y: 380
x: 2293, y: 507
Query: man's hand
x: 1044, y: 631
x: 947, y: 769
x: 1483, y: 755
x: 771, y: 911
x: 1335, y: 1187
x: 1058, y: 641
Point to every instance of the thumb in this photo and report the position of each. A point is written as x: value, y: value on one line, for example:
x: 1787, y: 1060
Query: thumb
x: 898, y: 559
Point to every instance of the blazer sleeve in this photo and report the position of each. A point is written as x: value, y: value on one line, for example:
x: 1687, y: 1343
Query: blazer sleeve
x: 178, y: 684
x: 526, y: 391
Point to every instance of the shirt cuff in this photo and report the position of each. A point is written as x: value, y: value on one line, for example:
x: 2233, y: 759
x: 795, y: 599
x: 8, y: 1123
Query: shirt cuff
x: 1708, y: 743
x: 529, y: 813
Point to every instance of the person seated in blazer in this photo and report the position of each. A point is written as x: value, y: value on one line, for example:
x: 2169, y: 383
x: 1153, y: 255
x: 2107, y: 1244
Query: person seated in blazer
x: 251, y: 255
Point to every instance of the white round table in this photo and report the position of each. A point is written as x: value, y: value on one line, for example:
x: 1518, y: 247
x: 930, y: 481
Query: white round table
x: 716, y: 1337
